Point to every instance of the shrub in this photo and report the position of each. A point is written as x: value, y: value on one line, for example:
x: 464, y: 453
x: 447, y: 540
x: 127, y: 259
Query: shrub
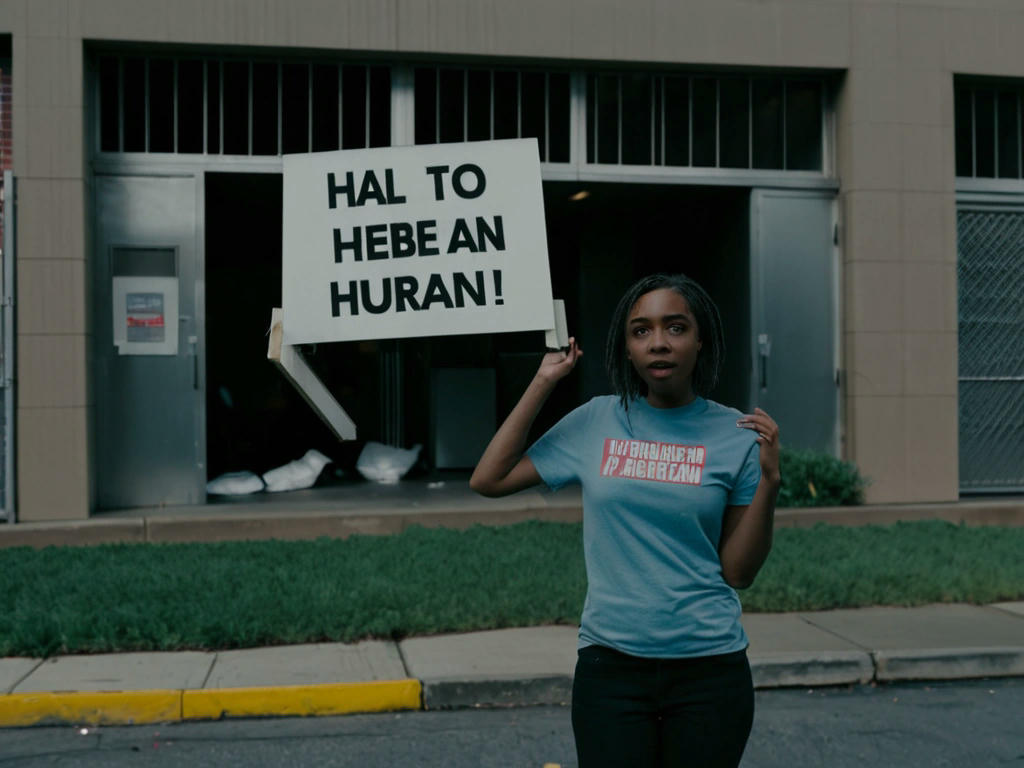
x: 813, y: 479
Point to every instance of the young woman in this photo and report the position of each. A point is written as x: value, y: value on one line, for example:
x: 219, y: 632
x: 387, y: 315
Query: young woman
x: 678, y: 500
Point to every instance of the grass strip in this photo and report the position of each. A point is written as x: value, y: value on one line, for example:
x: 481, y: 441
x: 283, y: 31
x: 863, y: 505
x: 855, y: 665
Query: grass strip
x: 135, y: 597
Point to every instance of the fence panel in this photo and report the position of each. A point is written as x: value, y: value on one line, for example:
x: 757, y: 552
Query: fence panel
x: 990, y: 274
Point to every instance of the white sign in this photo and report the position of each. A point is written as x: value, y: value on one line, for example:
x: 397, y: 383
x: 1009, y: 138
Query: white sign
x: 414, y: 241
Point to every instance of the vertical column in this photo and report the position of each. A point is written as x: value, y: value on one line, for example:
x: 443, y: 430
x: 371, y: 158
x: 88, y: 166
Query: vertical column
x: 54, y: 403
x: 895, y: 132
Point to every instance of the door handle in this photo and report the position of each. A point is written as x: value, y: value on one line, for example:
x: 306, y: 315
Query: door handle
x: 192, y: 341
x: 764, y: 351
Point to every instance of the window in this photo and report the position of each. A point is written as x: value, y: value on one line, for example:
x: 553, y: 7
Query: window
x: 988, y: 130
x: 706, y: 121
x: 475, y: 104
x: 239, y: 106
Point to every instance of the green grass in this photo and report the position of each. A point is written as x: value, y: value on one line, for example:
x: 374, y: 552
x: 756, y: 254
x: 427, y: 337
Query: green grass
x: 242, y: 594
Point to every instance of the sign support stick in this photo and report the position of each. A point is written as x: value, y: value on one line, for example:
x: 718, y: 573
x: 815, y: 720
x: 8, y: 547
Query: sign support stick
x: 288, y: 359
x: 558, y: 337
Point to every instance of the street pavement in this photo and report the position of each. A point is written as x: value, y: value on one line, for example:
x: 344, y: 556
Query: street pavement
x: 501, y: 668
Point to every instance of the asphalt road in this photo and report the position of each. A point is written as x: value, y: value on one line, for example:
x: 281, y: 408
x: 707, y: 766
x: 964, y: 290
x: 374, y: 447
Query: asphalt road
x: 950, y: 724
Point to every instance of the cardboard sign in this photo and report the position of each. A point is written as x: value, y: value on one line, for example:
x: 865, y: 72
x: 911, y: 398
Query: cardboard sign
x: 414, y: 241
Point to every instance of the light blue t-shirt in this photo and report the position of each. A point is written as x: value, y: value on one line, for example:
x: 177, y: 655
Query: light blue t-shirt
x: 656, y: 482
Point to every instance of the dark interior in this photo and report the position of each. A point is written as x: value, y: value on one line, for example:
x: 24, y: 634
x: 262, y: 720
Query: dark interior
x: 597, y: 245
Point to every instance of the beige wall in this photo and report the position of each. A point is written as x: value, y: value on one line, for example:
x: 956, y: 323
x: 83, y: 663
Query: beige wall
x: 53, y: 391
x: 894, y: 154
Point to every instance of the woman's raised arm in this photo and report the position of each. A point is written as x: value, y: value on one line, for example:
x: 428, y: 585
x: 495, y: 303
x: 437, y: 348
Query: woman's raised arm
x: 503, y: 469
x: 747, y: 530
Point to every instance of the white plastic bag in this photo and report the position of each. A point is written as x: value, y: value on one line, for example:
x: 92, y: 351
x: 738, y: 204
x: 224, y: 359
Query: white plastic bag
x: 235, y: 484
x: 384, y: 463
x: 301, y: 473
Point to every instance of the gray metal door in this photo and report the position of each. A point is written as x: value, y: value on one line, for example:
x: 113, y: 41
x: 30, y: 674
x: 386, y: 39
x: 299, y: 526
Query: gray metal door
x: 990, y: 280
x: 150, y: 430
x: 793, y: 315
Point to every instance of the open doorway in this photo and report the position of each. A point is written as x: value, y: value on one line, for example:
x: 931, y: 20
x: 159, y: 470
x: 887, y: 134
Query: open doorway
x: 255, y: 419
x: 613, y: 233
x: 597, y: 243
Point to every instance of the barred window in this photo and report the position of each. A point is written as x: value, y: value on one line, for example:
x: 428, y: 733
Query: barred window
x: 473, y: 104
x: 216, y: 106
x: 706, y: 121
x: 989, y: 132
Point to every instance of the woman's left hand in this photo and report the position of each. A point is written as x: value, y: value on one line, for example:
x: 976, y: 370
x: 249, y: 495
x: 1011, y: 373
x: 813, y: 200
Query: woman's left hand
x: 768, y: 437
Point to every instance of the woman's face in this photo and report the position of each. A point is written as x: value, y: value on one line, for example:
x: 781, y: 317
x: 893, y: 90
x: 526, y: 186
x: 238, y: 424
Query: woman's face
x: 662, y: 343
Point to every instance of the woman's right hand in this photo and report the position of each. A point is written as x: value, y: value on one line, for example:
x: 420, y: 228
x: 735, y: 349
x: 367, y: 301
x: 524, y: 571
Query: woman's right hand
x: 557, y: 365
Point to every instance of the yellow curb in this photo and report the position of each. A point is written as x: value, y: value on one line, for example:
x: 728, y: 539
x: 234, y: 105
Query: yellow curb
x: 324, y: 699
x: 101, y: 708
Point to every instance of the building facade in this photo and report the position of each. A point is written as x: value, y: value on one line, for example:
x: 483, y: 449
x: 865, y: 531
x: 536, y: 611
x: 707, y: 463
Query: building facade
x: 809, y: 161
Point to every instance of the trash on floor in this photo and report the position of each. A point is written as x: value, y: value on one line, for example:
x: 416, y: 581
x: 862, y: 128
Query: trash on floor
x: 301, y: 473
x: 235, y: 484
x: 384, y: 463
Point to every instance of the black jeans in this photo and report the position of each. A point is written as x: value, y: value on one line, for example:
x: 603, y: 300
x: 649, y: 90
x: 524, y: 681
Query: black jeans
x: 651, y: 713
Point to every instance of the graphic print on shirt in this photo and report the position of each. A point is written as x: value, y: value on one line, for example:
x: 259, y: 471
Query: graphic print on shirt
x: 651, y: 460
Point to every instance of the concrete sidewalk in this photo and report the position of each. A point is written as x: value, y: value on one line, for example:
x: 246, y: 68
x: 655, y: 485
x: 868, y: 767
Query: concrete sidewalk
x: 510, y: 667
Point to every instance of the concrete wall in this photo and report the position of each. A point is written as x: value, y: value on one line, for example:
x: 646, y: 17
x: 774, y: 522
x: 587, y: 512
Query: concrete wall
x: 895, y: 163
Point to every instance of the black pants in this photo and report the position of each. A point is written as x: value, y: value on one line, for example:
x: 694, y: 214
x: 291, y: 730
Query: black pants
x: 649, y: 713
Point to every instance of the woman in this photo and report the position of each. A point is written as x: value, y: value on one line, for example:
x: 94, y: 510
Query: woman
x: 678, y: 498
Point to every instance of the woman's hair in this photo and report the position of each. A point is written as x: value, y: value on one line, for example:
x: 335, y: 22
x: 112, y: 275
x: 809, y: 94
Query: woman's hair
x: 624, y: 379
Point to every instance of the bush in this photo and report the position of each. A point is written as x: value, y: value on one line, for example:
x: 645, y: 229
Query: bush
x: 812, y: 479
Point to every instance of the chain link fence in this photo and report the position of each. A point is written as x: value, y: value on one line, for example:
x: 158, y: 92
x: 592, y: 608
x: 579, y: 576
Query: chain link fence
x: 990, y: 273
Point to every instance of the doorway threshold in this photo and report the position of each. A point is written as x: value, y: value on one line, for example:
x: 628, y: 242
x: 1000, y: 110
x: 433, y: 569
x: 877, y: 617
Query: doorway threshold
x: 338, y: 511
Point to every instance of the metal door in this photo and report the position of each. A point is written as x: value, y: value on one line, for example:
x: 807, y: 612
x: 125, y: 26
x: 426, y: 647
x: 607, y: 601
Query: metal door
x: 793, y: 315
x: 990, y: 280
x: 150, y: 430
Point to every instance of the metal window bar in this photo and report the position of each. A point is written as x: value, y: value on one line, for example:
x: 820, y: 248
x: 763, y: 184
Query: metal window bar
x: 366, y: 104
x: 653, y: 133
x: 465, y: 104
x: 547, y: 116
x: 437, y: 104
x: 785, y: 94
x: 206, y: 107
x: 341, y: 107
x: 618, y: 83
x: 280, y: 108
x: 974, y: 138
x: 750, y: 123
x: 689, y: 114
x: 1020, y: 140
x: 250, y: 108
x: 821, y: 112
x: 145, y: 102
x: 220, y: 105
x: 491, y: 101
x: 174, y: 108
x: 120, y: 104
x: 661, y: 84
x: 718, y: 122
x: 995, y: 133
x: 309, y: 107
x: 519, y: 105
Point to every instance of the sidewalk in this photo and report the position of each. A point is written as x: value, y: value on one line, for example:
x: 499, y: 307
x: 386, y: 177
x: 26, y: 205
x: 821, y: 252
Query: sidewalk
x: 511, y: 667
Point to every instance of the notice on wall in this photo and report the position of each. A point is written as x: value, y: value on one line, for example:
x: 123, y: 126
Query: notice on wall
x: 414, y: 241
x: 145, y: 317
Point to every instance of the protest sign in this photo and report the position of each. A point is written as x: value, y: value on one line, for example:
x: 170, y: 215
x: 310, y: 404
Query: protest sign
x: 414, y: 241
